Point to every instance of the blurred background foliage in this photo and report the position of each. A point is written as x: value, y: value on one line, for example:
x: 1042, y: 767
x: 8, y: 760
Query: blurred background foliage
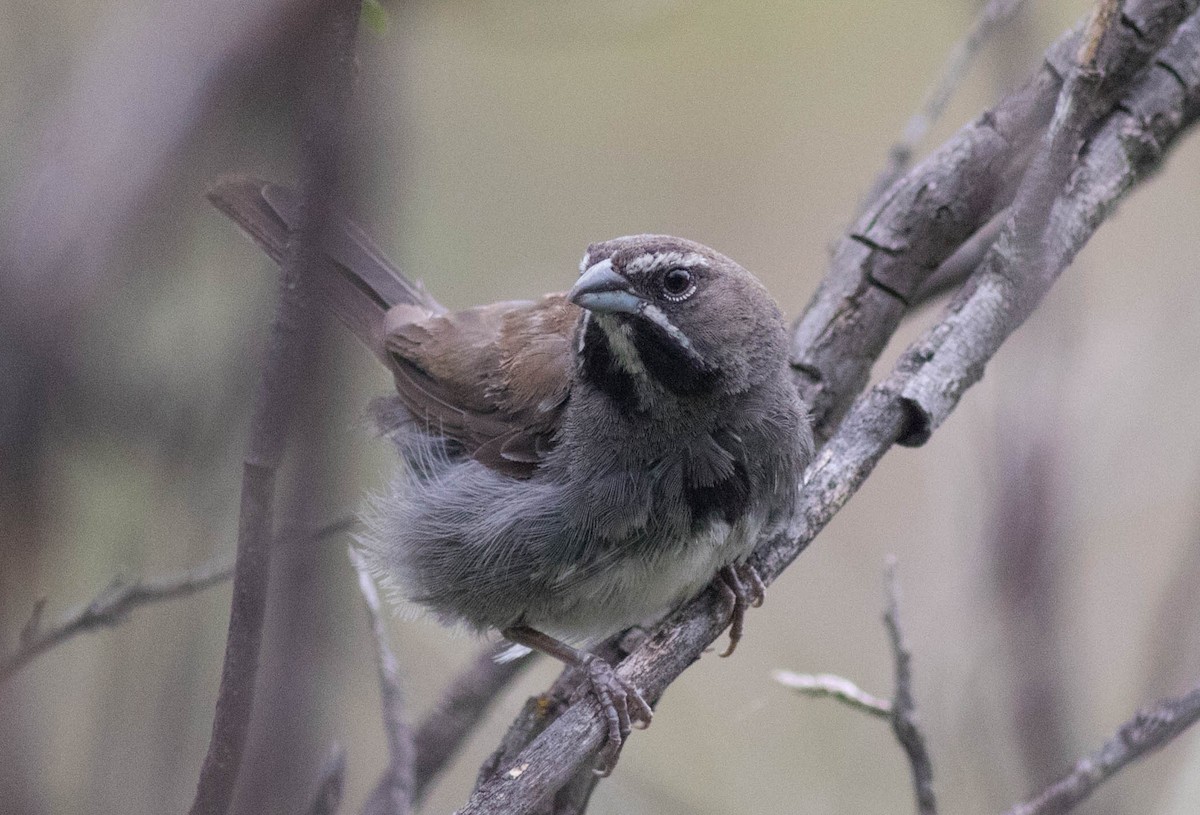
x: 1048, y: 536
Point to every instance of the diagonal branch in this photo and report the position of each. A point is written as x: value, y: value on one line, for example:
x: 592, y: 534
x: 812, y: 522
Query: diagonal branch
x: 881, y: 265
x: 1146, y: 732
x: 1128, y: 145
x: 457, y: 713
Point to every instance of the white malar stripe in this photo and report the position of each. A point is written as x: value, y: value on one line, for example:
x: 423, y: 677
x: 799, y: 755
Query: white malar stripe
x: 656, y: 316
x: 583, y: 327
x: 664, y: 260
x: 620, y: 340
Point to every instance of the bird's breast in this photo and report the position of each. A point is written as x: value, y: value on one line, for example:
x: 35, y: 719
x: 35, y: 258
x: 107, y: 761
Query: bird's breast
x: 637, y: 587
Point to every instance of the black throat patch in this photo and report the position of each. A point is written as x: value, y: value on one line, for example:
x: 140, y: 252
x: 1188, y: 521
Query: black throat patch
x: 677, y: 370
x: 650, y: 352
x: 603, y: 371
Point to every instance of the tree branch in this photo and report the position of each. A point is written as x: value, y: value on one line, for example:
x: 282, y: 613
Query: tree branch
x: 289, y: 355
x: 901, y: 711
x: 109, y: 608
x: 880, y: 265
x: 1150, y: 729
x: 330, y: 780
x: 1125, y: 148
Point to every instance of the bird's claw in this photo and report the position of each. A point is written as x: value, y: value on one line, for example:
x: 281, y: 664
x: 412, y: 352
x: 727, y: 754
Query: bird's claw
x: 743, y: 586
x: 623, y: 706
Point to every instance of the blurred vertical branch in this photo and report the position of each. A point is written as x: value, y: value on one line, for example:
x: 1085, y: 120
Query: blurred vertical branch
x: 289, y: 359
x: 1024, y: 545
x: 138, y: 93
x: 1022, y: 534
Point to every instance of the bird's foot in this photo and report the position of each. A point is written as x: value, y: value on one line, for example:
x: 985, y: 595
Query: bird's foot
x: 621, y: 703
x: 744, y: 588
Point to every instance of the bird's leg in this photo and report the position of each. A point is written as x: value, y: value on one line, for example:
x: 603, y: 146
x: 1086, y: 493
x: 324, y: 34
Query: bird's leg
x: 622, y: 704
x: 744, y: 588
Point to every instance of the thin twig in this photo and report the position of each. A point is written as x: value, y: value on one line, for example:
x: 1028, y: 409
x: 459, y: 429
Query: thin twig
x: 112, y: 605
x: 290, y: 355
x: 838, y: 688
x: 330, y: 780
x: 109, y: 608
x: 904, y: 706
x: 393, y: 794
x: 901, y: 711
x: 990, y: 18
x: 1150, y: 729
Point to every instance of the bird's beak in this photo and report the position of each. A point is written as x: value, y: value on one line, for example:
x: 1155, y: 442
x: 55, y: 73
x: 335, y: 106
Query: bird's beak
x: 601, y: 289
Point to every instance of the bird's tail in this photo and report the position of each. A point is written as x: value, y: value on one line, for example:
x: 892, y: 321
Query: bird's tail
x: 357, y: 283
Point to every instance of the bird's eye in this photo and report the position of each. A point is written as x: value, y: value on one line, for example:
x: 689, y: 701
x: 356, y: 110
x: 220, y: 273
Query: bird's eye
x: 677, y: 285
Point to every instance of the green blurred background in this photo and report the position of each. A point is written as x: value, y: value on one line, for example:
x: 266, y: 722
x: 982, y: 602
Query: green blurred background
x: 1048, y: 536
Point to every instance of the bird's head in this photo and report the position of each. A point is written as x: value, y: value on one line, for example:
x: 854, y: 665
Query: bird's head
x: 669, y: 312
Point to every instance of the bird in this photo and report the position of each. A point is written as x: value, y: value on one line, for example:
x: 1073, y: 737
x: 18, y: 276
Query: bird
x: 574, y: 465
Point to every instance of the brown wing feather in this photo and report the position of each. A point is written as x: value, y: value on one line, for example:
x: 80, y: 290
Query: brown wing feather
x: 494, y: 378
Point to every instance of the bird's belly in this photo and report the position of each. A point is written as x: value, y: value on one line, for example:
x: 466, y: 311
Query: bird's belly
x: 633, y: 590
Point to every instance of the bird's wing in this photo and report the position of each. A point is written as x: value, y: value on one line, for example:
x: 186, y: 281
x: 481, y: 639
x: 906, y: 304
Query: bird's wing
x: 494, y: 378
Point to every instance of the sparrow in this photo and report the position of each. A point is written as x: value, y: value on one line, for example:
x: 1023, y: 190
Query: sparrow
x: 574, y: 465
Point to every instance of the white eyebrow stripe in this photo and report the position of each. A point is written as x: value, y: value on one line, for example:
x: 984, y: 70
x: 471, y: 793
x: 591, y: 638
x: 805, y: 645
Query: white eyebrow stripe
x: 665, y: 260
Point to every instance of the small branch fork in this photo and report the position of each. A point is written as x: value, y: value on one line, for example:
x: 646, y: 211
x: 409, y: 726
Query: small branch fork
x: 900, y: 711
x: 1130, y: 92
x: 1148, y: 730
